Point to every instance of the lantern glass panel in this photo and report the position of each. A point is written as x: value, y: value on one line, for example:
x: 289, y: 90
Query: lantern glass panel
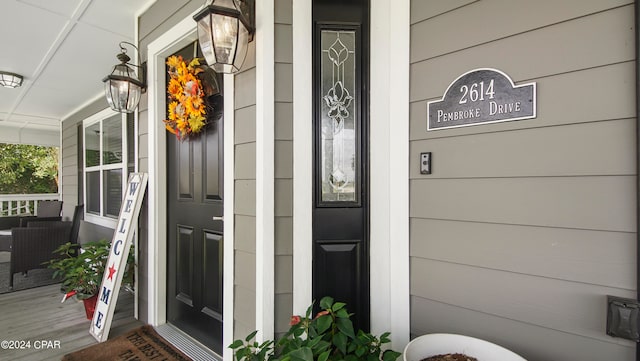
x: 243, y: 46
x: 205, y: 40
x: 122, y: 89
x: 122, y: 95
x: 225, y: 38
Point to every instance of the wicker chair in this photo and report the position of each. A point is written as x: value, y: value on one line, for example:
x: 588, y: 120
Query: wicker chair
x: 33, y: 245
x: 47, y: 211
x: 10, y: 222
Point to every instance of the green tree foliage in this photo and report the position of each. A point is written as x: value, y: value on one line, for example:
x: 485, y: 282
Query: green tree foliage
x: 28, y: 169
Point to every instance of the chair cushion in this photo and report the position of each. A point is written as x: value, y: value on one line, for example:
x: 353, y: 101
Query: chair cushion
x: 5, y: 243
x: 49, y: 208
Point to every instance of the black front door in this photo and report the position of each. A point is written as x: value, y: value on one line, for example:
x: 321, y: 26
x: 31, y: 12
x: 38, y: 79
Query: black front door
x: 194, y: 229
x: 341, y: 200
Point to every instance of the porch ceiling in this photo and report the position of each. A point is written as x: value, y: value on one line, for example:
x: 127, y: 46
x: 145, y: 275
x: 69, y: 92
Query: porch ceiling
x: 63, y: 49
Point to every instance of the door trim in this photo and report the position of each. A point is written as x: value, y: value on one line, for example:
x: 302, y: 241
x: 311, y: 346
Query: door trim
x: 173, y: 40
x: 265, y: 169
x: 302, y: 155
x: 389, y: 165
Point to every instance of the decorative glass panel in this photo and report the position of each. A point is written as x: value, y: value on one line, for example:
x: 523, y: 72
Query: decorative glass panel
x: 339, y: 157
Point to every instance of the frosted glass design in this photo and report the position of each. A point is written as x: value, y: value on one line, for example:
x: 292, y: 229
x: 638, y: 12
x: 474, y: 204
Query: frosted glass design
x: 339, y: 158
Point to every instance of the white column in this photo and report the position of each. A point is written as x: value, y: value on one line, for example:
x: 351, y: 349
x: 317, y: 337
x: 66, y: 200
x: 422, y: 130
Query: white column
x: 389, y: 139
x: 265, y: 135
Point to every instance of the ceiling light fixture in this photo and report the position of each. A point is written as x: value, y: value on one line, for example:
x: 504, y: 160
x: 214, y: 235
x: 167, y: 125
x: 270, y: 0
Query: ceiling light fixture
x: 10, y: 80
x: 225, y: 29
x: 123, y: 87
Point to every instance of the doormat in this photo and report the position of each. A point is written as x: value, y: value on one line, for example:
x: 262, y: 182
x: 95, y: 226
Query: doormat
x: 140, y: 344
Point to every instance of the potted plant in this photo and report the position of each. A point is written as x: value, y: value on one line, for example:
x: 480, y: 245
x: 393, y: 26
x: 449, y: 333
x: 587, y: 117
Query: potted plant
x: 439, y: 346
x: 327, y: 336
x: 82, y: 269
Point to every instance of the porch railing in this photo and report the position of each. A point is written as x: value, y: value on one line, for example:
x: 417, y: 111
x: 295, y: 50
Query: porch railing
x: 14, y: 204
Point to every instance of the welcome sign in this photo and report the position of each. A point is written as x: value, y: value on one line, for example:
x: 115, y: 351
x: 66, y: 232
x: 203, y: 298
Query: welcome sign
x: 120, y: 245
x: 482, y: 96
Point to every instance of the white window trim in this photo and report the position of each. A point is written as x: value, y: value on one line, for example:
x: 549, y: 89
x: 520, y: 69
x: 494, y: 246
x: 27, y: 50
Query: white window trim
x: 179, y: 36
x: 103, y: 220
x: 389, y: 165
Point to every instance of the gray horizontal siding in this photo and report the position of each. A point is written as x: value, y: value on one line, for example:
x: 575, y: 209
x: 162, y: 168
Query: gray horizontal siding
x: 245, y: 86
x: 603, y: 258
x: 245, y: 162
x: 524, y: 227
x: 245, y: 125
x: 556, y: 304
x: 538, y: 343
x: 244, y: 311
x: 539, y: 152
x: 245, y: 197
x: 597, y: 203
x: 284, y: 121
x: 471, y: 22
x: 601, y: 39
x: 283, y: 171
x: 245, y: 233
x: 423, y: 10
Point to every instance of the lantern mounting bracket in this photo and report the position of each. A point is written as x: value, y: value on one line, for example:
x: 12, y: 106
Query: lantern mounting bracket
x: 124, y: 85
x: 248, y: 11
x: 124, y: 59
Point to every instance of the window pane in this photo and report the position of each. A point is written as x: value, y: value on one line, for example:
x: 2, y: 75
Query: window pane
x: 112, y: 140
x: 112, y: 192
x: 339, y: 159
x: 93, y: 192
x: 92, y: 145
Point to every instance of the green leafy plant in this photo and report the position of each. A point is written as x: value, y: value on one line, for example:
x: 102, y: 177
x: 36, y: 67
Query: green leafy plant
x: 28, y: 169
x: 82, y: 271
x: 327, y: 336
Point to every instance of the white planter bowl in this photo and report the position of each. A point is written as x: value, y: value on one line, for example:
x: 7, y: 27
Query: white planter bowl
x: 443, y: 343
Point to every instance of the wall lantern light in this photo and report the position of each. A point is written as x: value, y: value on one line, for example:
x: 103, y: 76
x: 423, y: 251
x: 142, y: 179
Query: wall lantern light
x: 123, y: 87
x: 10, y: 80
x: 225, y: 29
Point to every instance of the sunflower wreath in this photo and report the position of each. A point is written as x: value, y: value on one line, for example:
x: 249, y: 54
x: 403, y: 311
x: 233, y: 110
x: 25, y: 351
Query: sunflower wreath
x: 187, y: 108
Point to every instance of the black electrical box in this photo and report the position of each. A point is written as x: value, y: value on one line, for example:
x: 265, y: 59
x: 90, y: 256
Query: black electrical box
x: 622, y: 318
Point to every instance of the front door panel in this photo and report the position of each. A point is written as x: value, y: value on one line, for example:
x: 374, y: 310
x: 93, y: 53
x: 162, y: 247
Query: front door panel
x: 195, y: 263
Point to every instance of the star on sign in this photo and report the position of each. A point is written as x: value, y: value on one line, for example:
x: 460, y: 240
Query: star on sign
x: 112, y: 271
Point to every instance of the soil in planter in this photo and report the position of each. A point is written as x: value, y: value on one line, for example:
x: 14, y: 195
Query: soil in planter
x: 451, y: 357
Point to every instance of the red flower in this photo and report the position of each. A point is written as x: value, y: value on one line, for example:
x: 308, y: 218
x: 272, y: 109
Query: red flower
x: 322, y: 313
x: 294, y: 320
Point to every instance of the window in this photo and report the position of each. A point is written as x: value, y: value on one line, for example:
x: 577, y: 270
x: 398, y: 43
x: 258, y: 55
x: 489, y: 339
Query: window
x: 109, y: 156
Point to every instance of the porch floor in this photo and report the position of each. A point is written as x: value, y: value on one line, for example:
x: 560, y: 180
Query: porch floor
x: 37, y: 315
